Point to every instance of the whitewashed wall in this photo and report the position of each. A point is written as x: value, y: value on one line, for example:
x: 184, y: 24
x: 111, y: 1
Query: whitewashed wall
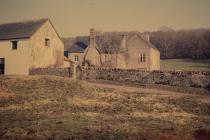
x: 155, y: 59
x: 16, y: 61
x: 32, y: 52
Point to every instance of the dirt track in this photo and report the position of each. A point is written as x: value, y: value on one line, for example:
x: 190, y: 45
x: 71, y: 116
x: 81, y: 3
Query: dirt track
x: 128, y: 88
x: 133, y: 89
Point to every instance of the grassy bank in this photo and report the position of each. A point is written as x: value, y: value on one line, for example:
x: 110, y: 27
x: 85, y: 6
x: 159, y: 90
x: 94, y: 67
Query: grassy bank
x: 185, y: 65
x: 43, y: 107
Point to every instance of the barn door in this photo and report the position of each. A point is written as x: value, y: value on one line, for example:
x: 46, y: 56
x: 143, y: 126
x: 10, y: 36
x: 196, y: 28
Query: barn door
x: 2, y: 65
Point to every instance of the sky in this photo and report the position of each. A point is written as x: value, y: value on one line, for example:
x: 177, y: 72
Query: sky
x: 76, y: 17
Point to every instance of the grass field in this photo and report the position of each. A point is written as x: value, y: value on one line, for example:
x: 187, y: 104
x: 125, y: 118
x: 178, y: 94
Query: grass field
x: 44, y: 107
x: 185, y: 65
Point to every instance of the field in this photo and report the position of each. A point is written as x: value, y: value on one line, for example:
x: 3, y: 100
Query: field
x: 44, y: 107
x: 185, y: 65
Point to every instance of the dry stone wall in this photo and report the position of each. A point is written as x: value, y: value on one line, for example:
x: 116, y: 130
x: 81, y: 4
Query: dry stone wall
x: 63, y: 72
x: 173, y: 78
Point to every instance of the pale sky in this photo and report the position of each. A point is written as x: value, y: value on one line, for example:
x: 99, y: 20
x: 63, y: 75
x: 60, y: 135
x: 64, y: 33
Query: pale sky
x: 75, y: 17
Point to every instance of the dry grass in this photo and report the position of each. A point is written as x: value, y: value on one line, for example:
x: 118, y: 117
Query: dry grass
x: 44, y: 107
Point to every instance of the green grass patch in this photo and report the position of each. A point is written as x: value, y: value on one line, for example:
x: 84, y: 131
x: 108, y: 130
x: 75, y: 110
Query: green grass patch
x: 185, y: 65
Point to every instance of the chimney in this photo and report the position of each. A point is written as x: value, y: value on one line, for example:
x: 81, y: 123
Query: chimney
x: 92, y: 37
x: 146, y: 37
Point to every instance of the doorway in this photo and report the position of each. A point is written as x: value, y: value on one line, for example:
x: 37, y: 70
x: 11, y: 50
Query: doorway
x: 2, y: 65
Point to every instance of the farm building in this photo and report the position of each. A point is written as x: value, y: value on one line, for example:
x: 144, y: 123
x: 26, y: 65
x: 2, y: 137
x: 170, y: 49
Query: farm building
x: 118, y: 51
x: 29, y: 44
x: 81, y: 53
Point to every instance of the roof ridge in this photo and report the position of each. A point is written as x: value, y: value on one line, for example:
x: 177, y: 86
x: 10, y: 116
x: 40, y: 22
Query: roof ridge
x: 25, y: 21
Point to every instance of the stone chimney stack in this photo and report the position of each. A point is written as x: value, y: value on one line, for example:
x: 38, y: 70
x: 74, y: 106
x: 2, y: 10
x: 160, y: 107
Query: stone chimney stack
x: 92, y: 37
x: 146, y: 37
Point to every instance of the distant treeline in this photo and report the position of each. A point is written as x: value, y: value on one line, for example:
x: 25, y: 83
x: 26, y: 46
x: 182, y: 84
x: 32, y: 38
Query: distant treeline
x: 172, y: 44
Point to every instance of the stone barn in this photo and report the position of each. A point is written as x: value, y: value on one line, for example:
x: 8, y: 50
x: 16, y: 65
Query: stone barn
x: 29, y: 44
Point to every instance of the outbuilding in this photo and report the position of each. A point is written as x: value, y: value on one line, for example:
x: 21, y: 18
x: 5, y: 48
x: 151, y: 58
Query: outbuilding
x: 29, y: 44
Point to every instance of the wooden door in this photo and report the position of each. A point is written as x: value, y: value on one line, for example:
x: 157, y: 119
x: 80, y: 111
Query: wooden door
x: 2, y: 65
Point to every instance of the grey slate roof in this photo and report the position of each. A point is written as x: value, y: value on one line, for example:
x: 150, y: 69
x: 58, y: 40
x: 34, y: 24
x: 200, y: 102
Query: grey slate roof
x: 151, y: 45
x: 20, y: 30
x: 144, y: 41
x: 109, y: 44
x: 78, y: 47
x: 105, y: 43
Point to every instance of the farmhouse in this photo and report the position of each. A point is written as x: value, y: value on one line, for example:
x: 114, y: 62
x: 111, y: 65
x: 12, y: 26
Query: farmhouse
x: 29, y: 44
x: 118, y: 51
x: 82, y: 53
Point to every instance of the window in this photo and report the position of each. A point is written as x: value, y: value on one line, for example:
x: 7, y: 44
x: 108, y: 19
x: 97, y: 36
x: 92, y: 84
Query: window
x: 76, y: 58
x: 47, y: 42
x: 106, y: 58
x: 14, y: 45
x: 142, y: 58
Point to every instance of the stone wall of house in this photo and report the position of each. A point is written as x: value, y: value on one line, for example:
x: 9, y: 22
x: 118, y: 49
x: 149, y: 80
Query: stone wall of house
x: 63, y: 72
x: 172, y: 78
x: 93, y: 56
x: 42, y: 56
x: 71, y: 56
x: 16, y: 61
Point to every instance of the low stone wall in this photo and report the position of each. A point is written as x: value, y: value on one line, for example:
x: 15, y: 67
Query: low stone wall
x: 63, y: 72
x: 173, y: 78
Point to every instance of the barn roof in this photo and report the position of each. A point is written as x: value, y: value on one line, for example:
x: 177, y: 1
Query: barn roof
x: 19, y: 30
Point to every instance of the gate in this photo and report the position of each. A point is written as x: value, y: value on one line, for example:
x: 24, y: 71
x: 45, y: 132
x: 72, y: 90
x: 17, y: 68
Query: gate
x: 78, y: 72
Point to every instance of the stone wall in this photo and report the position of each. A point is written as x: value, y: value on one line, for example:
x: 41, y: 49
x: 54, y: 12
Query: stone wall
x: 14, y: 63
x: 173, y: 78
x: 42, y: 56
x: 63, y: 72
